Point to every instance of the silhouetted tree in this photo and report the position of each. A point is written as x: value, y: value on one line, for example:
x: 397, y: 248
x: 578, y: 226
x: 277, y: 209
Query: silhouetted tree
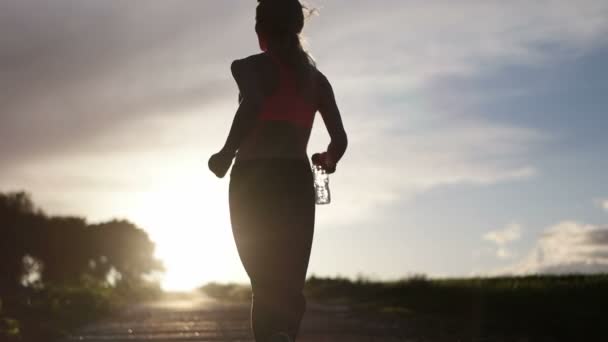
x: 18, y: 222
x: 63, y: 250
x: 125, y: 247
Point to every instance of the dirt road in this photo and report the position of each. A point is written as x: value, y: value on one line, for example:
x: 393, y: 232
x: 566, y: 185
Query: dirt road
x: 199, y: 318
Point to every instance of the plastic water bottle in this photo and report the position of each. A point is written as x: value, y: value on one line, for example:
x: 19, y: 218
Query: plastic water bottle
x: 322, y: 195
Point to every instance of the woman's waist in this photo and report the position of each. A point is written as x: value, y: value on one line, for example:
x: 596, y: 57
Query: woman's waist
x: 250, y: 159
x: 271, y: 164
x: 269, y: 147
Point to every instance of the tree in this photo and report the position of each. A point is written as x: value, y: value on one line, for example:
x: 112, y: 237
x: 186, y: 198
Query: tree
x: 66, y: 249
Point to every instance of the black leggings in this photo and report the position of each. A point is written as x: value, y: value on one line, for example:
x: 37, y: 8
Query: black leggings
x: 272, y: 211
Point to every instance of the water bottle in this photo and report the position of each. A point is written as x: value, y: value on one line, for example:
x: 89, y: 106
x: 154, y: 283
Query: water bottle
x: 321, y: 179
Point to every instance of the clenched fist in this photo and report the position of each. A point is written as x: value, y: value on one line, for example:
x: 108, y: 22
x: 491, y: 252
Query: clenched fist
x: 325, y: 161
x: 220, y: 162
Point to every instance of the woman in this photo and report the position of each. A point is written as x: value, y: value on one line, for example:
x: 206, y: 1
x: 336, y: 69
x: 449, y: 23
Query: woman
x: 271, y: 193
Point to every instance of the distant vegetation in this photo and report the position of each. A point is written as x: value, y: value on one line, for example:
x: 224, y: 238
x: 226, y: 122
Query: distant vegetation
x: 59, y: 272
x: 532, y: 308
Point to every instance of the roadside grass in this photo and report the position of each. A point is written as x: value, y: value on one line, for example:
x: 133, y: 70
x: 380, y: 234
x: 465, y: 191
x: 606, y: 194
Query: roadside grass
x: 52, y: 312
x: 535, y: 307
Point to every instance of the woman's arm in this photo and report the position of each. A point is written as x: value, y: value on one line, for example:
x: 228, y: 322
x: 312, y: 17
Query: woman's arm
x: 333, y: 121
x: 250, y: 102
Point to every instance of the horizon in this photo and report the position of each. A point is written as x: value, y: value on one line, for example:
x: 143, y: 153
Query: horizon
x: 477, y: 130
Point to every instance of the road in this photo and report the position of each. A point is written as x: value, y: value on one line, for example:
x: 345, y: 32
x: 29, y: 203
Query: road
x: 199, y: 318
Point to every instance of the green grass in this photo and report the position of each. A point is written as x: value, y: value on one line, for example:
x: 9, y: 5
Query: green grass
x: 52, y: 312
x: 49, y: 313
x: 537, y: 307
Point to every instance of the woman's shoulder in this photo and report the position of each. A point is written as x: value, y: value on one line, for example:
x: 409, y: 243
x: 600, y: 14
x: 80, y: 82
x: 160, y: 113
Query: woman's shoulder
x: 253, y: 62
x: 321, y: 81
x: 253, y: 73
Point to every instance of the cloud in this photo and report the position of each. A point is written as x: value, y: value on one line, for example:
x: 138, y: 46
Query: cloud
x: 502, y: 238
x: 440, y: 38
x: 83, y: 80
x: 567, y: 247
x: 72, y: 72
x: 413, y: 133
x: 510, y: 233
x: 601, y: 203
x: 390, y: 164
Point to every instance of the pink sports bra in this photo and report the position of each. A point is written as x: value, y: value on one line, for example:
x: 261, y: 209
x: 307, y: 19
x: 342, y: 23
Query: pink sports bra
x: 285, y: 104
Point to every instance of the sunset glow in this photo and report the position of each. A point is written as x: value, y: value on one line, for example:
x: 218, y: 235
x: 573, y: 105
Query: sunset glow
x: 187, y: 218
x: 477, y: 130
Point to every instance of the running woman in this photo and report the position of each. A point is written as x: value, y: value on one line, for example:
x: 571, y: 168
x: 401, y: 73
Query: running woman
x: 271, y: 192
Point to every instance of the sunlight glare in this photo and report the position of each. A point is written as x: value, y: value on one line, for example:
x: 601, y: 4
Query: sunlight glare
x: 188, y: 219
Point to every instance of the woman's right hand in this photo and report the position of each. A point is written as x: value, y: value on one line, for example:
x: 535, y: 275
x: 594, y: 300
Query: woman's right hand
x: 325, y: 161
x: 220, y: 162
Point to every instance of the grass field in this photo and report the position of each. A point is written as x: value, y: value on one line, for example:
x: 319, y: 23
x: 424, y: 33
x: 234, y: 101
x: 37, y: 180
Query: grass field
x: 535, y: 307
x: 50, y: 313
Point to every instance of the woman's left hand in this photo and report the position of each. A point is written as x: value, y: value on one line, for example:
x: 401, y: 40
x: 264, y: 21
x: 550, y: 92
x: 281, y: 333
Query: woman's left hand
x: 220, y: 162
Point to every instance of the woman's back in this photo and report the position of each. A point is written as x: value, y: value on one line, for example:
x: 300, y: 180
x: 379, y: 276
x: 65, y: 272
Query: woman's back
x: 286, y: 107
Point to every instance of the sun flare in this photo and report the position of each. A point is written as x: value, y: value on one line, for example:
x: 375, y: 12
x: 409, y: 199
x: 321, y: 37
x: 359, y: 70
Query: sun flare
x: 188, y: 219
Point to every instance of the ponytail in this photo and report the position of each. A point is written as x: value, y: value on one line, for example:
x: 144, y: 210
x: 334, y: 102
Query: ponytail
x: 281, y: 23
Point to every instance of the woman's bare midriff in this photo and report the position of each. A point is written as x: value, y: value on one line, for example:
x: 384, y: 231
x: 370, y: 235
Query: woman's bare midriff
x: 275, y: 139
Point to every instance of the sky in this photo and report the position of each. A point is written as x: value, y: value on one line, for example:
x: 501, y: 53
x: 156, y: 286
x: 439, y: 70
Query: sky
x: 477, y: 129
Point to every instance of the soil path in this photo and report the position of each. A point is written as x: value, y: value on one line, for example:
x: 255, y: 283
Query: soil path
x: 198, y: 318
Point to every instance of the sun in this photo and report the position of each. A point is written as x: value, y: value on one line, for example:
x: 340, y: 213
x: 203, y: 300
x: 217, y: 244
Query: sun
x: 188, y: 219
